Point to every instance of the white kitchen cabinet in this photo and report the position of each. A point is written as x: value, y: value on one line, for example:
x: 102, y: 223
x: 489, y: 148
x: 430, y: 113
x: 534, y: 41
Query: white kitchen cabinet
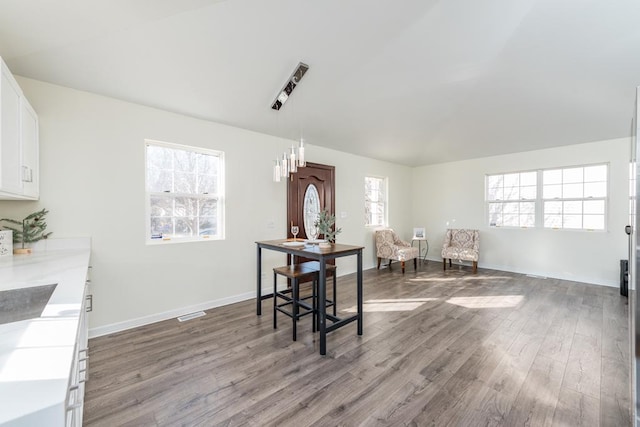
x: 10, y: 150
x: 19, y: 141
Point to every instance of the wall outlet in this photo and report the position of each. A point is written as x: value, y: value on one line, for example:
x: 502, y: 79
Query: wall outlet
x: 271, y: 224
x: 343, y: 214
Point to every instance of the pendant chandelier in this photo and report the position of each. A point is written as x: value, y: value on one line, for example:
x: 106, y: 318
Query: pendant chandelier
x: 293, y: 159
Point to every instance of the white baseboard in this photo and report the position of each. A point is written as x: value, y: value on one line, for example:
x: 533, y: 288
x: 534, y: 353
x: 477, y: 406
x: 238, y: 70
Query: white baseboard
x: 171, y: 314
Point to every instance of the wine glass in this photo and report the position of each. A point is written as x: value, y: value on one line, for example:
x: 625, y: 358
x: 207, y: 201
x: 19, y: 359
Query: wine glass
x: 295, y: 230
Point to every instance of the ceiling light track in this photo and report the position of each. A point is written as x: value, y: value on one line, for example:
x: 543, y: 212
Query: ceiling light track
x: 289, y: 86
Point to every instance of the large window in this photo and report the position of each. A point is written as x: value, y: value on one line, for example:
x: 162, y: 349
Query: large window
x: 375, y: 201
x: 575, y: 197
x: 511, y: 199
x: 184, y: 187
x: 571, y: 198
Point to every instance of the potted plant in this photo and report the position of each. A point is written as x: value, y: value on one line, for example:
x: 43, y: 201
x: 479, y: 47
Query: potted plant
x: 29, y: 230
x: 326, y: 227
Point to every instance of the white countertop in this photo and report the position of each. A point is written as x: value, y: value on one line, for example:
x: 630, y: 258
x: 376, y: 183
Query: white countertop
x: 36, y: 355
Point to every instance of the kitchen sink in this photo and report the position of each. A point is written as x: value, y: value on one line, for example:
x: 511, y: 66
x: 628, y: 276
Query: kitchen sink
x: 24, y: 303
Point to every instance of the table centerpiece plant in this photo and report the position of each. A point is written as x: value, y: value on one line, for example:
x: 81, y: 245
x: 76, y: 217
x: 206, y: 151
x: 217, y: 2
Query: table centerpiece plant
x: 326, y: 227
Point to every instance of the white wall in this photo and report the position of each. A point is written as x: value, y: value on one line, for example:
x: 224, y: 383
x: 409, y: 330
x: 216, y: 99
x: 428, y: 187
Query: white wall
x: 453, y: 197
x: 92, y: 182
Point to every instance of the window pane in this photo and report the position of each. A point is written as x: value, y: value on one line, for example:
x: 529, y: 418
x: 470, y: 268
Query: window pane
x: 159, y: 157
x: 528, y: 178
x: 553, y: 221
x: 572, y: 175
x: 161, y: 226
x: 594, y: 207
x: 185, y: 227
x: 572, y: 207
x: 552, y: 177
x: 207, y: 184
x: 553, y: 208
x: 509, y: 208
x: 161, y: 206
x: 552, y: 191
x: 572, y: 191
x: 572, y: 221
x: 185, y: 206
x: 511, y: 180
x: 594, y: 222
x: 595, y: 189
x: 207, y: 226
x: 375, y: 200
x: 595, y: 173
x: 207, y: 164
x: 511, y: 220
x: 185, y: 160
x: 185, y: 182
x: 528, y: 208
x: 208, y: 207
x: 159, y: 180
x: 511, y: 193
x: 527, y: 220
x: 528, y: 193
x: 495, y: 184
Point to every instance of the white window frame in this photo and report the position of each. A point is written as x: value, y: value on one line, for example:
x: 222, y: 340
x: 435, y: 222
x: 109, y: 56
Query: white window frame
x: 519, y: 200
x: 219, y: 197
x: 385, y: 202
x: 582, y: 199
x: 540, y: 200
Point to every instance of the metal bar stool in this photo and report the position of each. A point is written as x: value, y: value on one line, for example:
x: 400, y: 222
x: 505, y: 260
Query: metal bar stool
x: 297, y: 273
x: 300, y: 273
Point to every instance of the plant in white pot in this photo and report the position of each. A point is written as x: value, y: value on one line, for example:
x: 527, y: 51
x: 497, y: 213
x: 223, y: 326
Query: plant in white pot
x: 29, y: 230
x: 326, y: 227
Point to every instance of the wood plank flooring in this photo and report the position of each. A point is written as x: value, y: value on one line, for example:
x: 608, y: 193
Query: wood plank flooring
x: 439, y: 348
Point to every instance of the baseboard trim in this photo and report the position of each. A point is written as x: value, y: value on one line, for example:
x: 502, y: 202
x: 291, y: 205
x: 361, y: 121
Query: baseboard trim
x: 171, y: 314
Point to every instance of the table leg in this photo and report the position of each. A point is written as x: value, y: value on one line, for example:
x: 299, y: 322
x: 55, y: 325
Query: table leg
x: 322, y: 306
x: 360, y: 319
x: 259, y: 282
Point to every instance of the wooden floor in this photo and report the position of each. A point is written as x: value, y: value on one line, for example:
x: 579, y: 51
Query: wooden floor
x: 439, y: 348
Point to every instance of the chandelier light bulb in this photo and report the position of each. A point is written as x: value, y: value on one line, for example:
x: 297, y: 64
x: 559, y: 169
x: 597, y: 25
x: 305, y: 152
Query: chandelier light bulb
x: 276, y: 171
x: 293, y: 162
x: 301, y: 161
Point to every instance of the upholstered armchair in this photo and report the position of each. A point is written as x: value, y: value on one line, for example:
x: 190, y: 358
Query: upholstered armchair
x: 389, y: 246
x: 461, y: 244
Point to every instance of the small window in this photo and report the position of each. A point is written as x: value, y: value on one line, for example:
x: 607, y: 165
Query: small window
x: 375, y: 201
x: 512, y: 199
x: 575, y: 198
x: 184, y: 188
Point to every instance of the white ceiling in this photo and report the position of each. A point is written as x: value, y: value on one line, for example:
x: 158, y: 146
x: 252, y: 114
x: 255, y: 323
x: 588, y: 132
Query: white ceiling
x: 413, y: 82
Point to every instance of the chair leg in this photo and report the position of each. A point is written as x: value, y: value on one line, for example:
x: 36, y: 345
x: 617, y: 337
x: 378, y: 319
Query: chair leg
x: 415, y: 264
x: 314, y: 290
x: 444, y: 263
x: 402, y: 264
x: 449, y: 262
x: 379, y: 259
x: 335, y: 294
x: 475, y: 266
x: 275, y: 300
x: 294, y: 307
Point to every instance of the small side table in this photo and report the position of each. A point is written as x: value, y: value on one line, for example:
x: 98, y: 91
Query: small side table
x: 426, y: 249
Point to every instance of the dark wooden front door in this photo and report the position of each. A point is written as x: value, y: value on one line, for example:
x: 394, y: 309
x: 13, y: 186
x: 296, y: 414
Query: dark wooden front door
x: 323, y: 177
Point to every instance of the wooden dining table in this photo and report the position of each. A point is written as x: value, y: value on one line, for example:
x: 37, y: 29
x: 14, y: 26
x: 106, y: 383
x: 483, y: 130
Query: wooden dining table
x: 314, y: 252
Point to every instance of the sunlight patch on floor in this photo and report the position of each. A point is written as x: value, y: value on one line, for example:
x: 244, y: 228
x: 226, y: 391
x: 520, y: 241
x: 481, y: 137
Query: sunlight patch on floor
x: 382, y: 305
x: 496, y: 301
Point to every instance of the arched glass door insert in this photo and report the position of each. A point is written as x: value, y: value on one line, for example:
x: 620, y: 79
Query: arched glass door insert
x: 311, y: 210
